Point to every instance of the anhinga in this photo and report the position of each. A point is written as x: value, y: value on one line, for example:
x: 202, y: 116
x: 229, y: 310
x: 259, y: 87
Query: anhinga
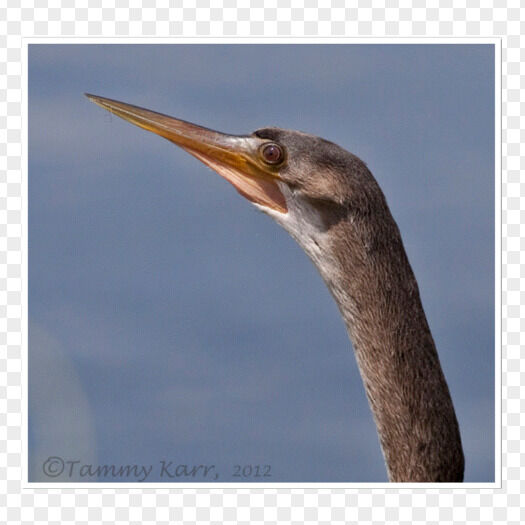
x: 330, y: 203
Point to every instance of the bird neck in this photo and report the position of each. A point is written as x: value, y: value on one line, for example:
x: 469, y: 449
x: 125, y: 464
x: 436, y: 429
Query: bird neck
x: 364, y: 264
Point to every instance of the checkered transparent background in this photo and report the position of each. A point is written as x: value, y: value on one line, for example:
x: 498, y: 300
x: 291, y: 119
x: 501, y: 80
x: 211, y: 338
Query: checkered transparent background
x: 256, y: 18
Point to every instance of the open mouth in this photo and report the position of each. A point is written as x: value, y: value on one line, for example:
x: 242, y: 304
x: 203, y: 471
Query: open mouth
x: 234, y: 157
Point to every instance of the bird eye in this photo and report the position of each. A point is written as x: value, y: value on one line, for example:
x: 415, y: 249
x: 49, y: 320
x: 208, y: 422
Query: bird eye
x: 272, y: 153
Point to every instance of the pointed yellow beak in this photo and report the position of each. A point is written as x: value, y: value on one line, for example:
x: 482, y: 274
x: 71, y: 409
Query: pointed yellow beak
x: 236, y: 158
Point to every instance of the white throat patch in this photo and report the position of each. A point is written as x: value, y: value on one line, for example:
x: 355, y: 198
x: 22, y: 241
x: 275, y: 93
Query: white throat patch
x: 304, y: 223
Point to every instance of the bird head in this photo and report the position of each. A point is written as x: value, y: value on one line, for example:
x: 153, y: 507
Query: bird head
x: 302, y: 181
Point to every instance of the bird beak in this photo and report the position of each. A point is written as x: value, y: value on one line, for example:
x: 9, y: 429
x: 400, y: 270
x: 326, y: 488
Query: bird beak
x: 236, y: 158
